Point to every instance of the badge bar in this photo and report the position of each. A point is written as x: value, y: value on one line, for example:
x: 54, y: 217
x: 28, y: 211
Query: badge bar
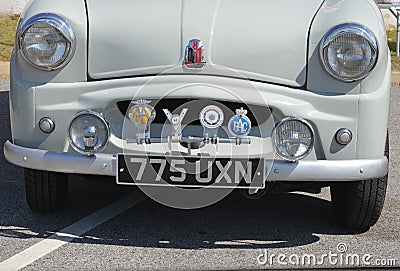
x: 190, y: 139
x: 141, y: 114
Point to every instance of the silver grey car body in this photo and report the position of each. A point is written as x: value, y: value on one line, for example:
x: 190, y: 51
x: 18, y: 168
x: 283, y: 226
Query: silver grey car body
x: 120, y: 47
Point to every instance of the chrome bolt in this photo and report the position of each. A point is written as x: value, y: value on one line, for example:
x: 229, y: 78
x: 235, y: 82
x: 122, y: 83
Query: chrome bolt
x: 90, y: 136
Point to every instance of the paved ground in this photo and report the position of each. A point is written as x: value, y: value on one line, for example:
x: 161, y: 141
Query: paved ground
x: 229, y: 235
x: 4, y: 84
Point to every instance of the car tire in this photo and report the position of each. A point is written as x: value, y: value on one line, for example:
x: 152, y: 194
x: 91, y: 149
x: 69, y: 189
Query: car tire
x: 359, y: 204
x: 45, y: 191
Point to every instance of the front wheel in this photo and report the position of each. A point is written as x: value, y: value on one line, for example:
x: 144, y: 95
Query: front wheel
x: 45, y: 191
x: 359, y: 204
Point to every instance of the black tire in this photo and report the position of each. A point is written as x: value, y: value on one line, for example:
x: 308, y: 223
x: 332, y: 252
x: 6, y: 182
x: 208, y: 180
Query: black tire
x: 45, y: 191
x: 358, y: 205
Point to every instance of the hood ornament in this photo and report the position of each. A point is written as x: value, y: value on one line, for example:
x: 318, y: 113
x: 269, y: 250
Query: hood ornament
x: 194, y: 55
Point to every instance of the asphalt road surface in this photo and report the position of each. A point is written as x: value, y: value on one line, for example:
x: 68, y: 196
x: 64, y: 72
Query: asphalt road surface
x: 118, y: 228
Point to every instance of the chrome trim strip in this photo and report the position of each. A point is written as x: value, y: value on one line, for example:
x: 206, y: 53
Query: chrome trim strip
x: 105, y: 164
x: 99, y: 164
x: 326, y: 170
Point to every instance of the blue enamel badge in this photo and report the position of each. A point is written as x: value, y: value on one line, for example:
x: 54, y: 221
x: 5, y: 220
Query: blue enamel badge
x: 239, y: 125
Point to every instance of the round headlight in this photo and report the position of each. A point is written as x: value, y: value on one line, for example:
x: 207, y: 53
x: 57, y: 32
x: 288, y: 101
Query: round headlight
x: 46, y: 41
x: 349, y: 52
x: 293, y: 139
x: 88, y: 132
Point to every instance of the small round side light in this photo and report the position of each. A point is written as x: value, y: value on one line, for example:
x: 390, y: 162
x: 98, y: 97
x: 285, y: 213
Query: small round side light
x: 344, y: 136
x: 46, y: 125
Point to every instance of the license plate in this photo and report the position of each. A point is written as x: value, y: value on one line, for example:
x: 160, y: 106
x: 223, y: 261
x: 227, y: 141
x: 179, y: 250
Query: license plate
x: 190, y: 172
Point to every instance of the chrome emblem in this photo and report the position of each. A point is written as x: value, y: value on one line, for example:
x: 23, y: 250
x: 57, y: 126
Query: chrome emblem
x: 142, y: 114
x: 239, y: 125
x: 194, y: 55
x: 211, y: 117
x: 176, y: 121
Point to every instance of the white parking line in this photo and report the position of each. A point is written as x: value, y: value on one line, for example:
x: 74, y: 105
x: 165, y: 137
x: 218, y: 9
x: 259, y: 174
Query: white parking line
x: 69, y: 233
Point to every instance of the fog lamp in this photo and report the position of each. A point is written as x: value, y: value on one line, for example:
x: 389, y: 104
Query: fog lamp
x: 293, y: 139
x: 88, y: 132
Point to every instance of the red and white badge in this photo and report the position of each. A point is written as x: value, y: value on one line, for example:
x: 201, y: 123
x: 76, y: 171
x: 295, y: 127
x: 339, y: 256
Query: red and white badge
x: 211, y: 117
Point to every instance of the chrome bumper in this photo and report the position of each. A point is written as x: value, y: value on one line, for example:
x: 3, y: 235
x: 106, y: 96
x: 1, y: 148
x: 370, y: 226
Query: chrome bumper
x: 105, y: 164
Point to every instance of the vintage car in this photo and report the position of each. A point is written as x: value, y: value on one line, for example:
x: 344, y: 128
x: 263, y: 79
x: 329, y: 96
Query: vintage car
x: 195, y: 99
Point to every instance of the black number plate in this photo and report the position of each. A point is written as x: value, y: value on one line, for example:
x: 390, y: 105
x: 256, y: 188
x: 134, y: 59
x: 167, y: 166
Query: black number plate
x: 190, y: 172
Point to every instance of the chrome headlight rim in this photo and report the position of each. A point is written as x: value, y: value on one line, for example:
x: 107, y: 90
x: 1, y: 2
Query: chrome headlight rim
x: 349, y: 28
x: 104, y: 122
x: 310, y: 148
x: 56, y: 22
